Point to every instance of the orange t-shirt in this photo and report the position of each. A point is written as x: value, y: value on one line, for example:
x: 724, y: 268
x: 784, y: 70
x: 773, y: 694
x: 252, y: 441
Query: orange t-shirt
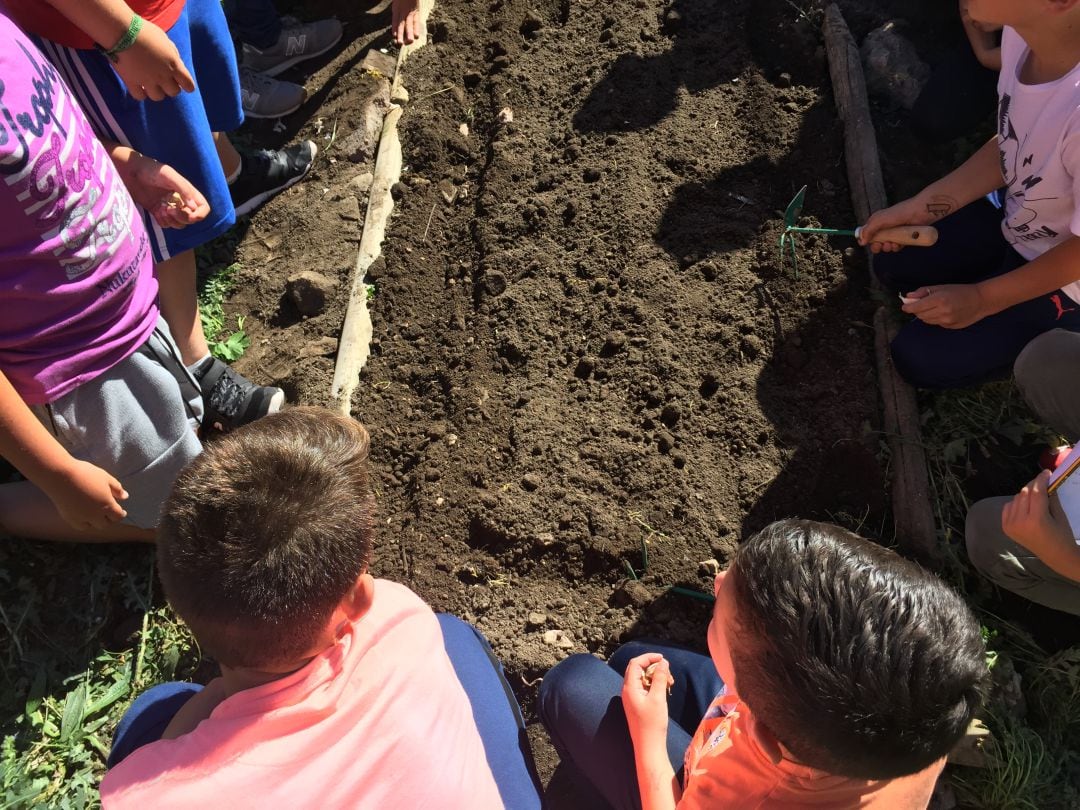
x: 379, y: 720
x: 40, y: 18
x: 725, y: 767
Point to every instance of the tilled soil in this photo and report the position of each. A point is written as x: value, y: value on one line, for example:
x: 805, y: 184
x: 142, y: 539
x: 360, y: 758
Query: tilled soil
x: 591, y: 374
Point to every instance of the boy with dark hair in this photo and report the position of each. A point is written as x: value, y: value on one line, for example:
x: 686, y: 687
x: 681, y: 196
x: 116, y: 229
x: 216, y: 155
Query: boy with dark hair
x: 842, y: 675
x: 333, y: 684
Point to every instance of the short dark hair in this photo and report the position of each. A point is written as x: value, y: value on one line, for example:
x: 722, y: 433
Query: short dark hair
x: 860, y: 662
x: 265, y: 532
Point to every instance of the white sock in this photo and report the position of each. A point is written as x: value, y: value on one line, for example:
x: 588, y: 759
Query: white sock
x: 232, y: 177
x: 193, y: 368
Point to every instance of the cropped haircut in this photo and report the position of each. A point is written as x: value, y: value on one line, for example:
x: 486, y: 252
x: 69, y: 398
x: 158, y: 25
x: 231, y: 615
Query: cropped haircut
x: 861, y: 663
x: 265, y: 532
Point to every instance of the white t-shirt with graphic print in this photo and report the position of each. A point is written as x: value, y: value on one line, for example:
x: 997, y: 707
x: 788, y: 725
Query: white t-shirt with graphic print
x: 1038, y: 131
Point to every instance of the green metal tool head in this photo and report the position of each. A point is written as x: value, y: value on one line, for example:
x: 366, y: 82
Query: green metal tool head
x: 791, y: 215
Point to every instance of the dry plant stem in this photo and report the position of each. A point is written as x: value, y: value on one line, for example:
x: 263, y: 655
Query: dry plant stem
x: 912, y: 512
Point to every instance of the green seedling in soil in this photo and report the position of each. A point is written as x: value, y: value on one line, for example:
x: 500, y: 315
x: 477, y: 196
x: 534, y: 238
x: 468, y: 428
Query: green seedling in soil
x: 212, y: 297
x: 369, y: 292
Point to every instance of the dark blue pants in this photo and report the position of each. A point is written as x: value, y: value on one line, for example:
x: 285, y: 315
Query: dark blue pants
x: 971, y: 248
x: 581, y: 707
x: 255, y: 22
x: 495, y: 710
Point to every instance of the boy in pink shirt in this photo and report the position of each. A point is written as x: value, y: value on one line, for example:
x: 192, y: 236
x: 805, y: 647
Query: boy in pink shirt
x: 336, y: 689
x: 839, y: 676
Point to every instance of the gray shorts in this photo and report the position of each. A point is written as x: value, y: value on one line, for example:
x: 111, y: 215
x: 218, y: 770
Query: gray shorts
x: 137, y: 421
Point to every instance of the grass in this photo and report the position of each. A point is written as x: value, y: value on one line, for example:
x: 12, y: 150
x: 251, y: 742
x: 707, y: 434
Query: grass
x: 1036, y: 727
x: 81, y: 634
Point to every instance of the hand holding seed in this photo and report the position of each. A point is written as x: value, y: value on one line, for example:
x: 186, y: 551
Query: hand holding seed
x: 647, y: 677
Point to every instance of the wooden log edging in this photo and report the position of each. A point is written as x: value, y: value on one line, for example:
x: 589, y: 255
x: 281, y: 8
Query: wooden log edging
x: 913, y: 514
x: 354, y: 345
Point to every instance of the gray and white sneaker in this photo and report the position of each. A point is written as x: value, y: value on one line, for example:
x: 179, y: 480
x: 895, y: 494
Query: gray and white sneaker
x: 295, y: 44
x: 264, y: 97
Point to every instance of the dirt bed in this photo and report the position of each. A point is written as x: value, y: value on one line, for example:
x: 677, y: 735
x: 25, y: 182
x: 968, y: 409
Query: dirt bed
x: 589, y: 365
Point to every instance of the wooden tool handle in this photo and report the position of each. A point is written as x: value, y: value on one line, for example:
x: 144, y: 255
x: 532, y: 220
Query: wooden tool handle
x: 916, y: 235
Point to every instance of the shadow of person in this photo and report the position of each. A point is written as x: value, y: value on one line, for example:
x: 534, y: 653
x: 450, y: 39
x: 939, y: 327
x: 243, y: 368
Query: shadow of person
x: 640, y: 90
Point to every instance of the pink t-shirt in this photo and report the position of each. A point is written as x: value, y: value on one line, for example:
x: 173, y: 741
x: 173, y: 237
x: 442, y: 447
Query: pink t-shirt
x: 378, y: 721
x: 77, y: 289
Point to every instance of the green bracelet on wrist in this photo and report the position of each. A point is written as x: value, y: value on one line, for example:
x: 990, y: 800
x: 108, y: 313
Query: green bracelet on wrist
x: 127, y: 40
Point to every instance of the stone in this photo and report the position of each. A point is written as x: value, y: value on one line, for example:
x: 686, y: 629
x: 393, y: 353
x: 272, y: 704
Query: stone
x: 309, y: 291
x: 893, y: 68
x: 536, y: 619
x: 585, y: 367
x: 361, y: 184
x: 670, y: 415
x: 349, y: 209
x: 530, y: 482
x: 448, y: 191
x: 709, y: 568
x: 665, y: 442
x: 631, y: 593
x: 558, y: 638
x: 323, y: 347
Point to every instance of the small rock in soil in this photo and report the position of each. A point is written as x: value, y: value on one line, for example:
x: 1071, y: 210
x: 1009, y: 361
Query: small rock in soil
x: 591, y: 174
x: 398, y: 190
x: 558, y: 638
x: 531, y: 24
x: 530, y: 482
x: 670, y: 415
x: 613, y: 344
x: 494, y: 283
x: 585, y: 368
x: 679, y: 460
x: 536, y: 619
x: 349, y: 209
x: 309, y: 290
x: 783, y: 80
x: 709, y: 568
x: 448, y: 191
x: 361, y: 184
x: 323, y: 347
x: 471, y: 79
x: 631, y: 593
x: 665, y: 441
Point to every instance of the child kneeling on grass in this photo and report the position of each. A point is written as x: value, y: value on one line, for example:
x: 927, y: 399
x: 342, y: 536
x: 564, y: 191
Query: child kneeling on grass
x: 840, y: 676
x: 337, y: 690
x: 96, y: 408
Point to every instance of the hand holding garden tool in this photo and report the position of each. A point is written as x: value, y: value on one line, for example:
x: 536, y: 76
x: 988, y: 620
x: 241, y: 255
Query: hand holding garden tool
x: 917, y: 235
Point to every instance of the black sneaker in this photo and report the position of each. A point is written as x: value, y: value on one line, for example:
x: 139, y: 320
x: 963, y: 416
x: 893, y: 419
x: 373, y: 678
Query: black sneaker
x: 264, y: 173
x: 231, y: 400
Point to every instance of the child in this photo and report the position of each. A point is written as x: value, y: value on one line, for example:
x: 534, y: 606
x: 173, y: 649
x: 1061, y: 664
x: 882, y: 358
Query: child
x: 168, y: 86
x: 96, y: 410
x: 1025, y: 544
x: 337, y: 690
x: 990, y: 286
x: 846, y: 674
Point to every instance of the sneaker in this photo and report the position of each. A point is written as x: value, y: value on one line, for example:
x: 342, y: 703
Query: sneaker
x: 295, y: 44
x: 231, y: 400
x: 264, y: 173
x: 263, y: 97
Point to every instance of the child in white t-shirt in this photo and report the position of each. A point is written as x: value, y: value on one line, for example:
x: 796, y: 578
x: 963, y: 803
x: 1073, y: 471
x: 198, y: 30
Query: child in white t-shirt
x: 998, y: 278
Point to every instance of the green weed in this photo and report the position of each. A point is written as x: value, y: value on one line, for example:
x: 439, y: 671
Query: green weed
x: 214, y: 290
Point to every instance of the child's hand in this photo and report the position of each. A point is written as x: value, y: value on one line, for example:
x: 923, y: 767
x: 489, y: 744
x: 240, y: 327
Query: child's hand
x: 646, y: 707
x: 171, y: 200
x: 406, y: 24
x: 952, y: 306
x: 1035, y: 521
x: 917, y: 210
x: 152, y: 67
x: 87, y: 497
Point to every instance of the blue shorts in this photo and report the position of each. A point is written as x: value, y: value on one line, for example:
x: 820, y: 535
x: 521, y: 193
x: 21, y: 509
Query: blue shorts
x: 177, y: 131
